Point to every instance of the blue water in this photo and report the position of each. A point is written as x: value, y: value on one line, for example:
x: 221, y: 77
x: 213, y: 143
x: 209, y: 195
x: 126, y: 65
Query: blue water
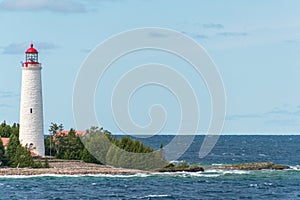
x: 213, y: 184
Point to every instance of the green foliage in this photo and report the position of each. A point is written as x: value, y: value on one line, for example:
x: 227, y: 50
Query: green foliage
x: 7, y: 130
x: 22, y: 158
x: 97, y: 144
x: 54, y: 128
x: 17, y: 155
x: 124, y: 152
x: 69, y: 146
x: 38, y: 164
x: 88, y: 157
x: 11, y: 148
x: 46, y: 163
x: 49, y: 142
x: 2, y: 154
x: 181, y: 167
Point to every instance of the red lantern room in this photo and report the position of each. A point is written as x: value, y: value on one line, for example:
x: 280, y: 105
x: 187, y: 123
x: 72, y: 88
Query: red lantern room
x: 31, y: 55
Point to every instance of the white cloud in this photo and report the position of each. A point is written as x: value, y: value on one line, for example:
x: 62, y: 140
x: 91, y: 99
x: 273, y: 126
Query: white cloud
x: 42, y: 5
x: 20, y: 48
x: 7, y: 94
x: 233, y: 34
x: 213, y: 26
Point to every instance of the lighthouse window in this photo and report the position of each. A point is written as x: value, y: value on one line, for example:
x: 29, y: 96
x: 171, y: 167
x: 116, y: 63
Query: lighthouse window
x: 30, y: 110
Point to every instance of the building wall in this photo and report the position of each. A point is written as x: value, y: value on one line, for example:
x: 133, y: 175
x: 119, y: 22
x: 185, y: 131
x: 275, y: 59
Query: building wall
x: 31, y: 109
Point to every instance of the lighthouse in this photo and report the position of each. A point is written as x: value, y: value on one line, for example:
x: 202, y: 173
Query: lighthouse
x: 31, y: 132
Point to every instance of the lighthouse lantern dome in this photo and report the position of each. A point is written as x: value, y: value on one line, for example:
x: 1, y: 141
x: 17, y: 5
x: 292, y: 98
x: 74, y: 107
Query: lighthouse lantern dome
x: 31, y: 55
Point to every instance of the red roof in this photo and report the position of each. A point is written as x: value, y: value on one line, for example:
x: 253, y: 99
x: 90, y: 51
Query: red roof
x: 31, y: 49
x: 66, y: 132
x: 4, y: 141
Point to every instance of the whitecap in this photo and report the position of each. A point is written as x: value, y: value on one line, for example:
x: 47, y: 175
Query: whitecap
x: 268, y: 184
x: 217, y: 164
x: 77, y: 175
x: 156, y: 196
x: 221, y: 171
x: 297, y: 167
x: 253, y: 185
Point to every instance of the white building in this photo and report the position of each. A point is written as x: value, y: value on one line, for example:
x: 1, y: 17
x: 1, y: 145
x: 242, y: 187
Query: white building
x: 31, y: 106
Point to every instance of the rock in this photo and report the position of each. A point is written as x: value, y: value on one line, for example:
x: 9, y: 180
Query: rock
x: 182, y: 169
x: 256, y: 166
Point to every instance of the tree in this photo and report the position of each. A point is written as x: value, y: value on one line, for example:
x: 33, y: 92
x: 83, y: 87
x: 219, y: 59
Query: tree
x: 17, y: 155
x: 88, y: 157
x: 53, y: 129
x: 69, y: 146
x: 22, y: 158
x: 15, y: 129
x: 124, y: 152
x: 2, y: 153
x: 5, y: 129
x: 12, y: 146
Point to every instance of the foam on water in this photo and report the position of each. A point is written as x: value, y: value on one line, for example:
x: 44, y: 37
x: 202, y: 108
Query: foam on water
x: 156, y: 196
x: 206, y: 173
x: 77, y: 175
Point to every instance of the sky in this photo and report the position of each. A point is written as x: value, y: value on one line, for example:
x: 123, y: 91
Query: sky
x: 254, y: 44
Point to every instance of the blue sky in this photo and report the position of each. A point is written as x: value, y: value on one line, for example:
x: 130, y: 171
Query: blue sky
x: 255, y: 45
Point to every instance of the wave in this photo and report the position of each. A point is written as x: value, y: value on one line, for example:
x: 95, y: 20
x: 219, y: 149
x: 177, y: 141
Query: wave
x: 156, y: 196
x: 207, y: 173
x: 78, y: 175
x: 296, y: 168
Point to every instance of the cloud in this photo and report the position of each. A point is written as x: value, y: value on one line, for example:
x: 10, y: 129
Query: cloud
x: 196, y: 36
x: 86, y: 50
x: 63, y: 6
x: 285, y: 110
x: 280, y: 117
x: 7, y: 94
x: 20, y: 48
x: 282, y: 122
x: 283, y: 116
x: 158, y: 35
x: 15, y: 48
x: 291, y: 41
x: 200, y: 36
x: 243, y: 116
x: 233, y: 34
x: 213, y: 26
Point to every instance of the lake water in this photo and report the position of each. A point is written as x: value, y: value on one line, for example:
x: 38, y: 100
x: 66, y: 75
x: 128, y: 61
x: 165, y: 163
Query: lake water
x: 213, y: 184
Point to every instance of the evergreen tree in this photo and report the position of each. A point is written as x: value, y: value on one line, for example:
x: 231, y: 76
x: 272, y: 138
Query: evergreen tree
x: 69, y: 146
x: 12, y: 146
x: 88, y: 157
x: 22, y: 158
x: 2, y: 154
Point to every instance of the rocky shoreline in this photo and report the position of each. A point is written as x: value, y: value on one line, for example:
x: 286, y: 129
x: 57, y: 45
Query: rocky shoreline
x: 255, y: 166
x: 69, y: 167
x: 64, y: 167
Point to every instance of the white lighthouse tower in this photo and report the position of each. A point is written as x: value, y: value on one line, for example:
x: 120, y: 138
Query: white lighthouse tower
x: 31, y: 107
